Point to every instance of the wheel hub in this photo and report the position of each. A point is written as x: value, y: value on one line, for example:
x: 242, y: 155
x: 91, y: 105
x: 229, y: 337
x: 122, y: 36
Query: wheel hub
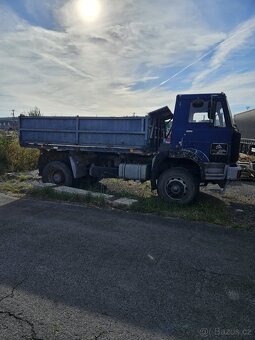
x: 58, y: 177
x: 176, y: 188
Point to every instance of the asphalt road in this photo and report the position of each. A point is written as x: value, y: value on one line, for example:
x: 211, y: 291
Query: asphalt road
x: 72, y: 272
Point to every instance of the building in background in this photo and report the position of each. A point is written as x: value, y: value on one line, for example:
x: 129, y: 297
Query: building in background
x: 8, y: 124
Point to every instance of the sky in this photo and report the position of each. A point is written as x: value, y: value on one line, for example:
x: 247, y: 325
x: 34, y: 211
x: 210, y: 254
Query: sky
x: 114, y: 58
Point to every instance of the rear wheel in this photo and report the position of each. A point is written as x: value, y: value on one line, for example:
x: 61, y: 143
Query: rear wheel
x: 58, y: 173
x: 178, y: 185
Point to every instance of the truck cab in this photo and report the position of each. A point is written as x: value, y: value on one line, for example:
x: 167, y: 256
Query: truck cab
x: 201, y: 143
x: 204, y: 123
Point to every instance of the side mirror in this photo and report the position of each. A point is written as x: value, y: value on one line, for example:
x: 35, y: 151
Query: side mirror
x: 212, y: 109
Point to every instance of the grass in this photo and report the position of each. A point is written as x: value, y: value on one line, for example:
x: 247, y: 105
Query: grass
x: 20, y: 187
x: 121, y: 188
x: 207, y: 209
x: 23, y: 178
x: 17, y: 183
x: 15, y: 187
x: 49, y: 193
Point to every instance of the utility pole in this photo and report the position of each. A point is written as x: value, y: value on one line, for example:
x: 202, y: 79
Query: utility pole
x: 13, y: 113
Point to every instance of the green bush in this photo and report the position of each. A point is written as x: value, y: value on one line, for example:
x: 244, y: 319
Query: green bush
x: 3, y: 153
x: 15, y: 158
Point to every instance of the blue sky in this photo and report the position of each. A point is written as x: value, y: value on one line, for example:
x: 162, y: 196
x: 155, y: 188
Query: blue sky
x: 134, y: 56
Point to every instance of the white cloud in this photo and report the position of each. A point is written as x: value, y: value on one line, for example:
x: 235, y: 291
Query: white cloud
x: 89, y: 68
x: 238, y: 87
x: 9, y: 22
x: 234, y: 42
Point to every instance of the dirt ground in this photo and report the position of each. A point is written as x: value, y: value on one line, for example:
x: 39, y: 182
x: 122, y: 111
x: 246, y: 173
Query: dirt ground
x: 240, y: 196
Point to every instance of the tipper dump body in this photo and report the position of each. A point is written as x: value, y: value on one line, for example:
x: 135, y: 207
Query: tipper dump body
x: 92, y: 133
x: 84, y: 132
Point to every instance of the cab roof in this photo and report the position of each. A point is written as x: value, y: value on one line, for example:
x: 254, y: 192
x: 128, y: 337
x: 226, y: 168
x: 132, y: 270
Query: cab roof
x: 201, y: 95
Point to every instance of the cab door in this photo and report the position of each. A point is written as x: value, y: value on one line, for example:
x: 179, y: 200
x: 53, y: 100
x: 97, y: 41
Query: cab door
x: 210, y: 136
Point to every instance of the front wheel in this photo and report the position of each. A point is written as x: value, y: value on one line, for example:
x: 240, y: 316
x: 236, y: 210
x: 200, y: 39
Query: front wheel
x: 58, y: 173
x: 178, y: 185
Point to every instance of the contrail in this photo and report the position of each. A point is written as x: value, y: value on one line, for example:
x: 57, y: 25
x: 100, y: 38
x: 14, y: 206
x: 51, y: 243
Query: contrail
x: 199, y: 59
x: 182, y: 70
x: 64, y: 64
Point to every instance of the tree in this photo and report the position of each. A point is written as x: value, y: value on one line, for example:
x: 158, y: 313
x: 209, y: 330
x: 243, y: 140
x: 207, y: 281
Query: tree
x: 35, y: 112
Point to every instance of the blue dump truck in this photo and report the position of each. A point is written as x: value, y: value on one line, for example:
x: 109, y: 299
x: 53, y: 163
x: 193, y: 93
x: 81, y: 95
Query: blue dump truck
x: 197, y: 145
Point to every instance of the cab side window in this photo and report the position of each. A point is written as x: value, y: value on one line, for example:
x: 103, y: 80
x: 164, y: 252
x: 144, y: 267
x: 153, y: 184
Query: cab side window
x: 199, y: 112
x: 219, y: 120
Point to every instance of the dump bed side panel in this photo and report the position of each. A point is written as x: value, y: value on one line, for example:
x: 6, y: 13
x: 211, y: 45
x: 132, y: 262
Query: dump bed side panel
x: 123, y: 132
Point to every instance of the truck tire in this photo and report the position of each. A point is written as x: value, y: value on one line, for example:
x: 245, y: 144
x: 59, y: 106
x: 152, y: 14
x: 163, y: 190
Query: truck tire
x: 178, y: 185
x: 58, y: 173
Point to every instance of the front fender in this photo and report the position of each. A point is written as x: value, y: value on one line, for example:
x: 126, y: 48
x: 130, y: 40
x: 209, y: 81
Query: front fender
x: 177, y: 158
